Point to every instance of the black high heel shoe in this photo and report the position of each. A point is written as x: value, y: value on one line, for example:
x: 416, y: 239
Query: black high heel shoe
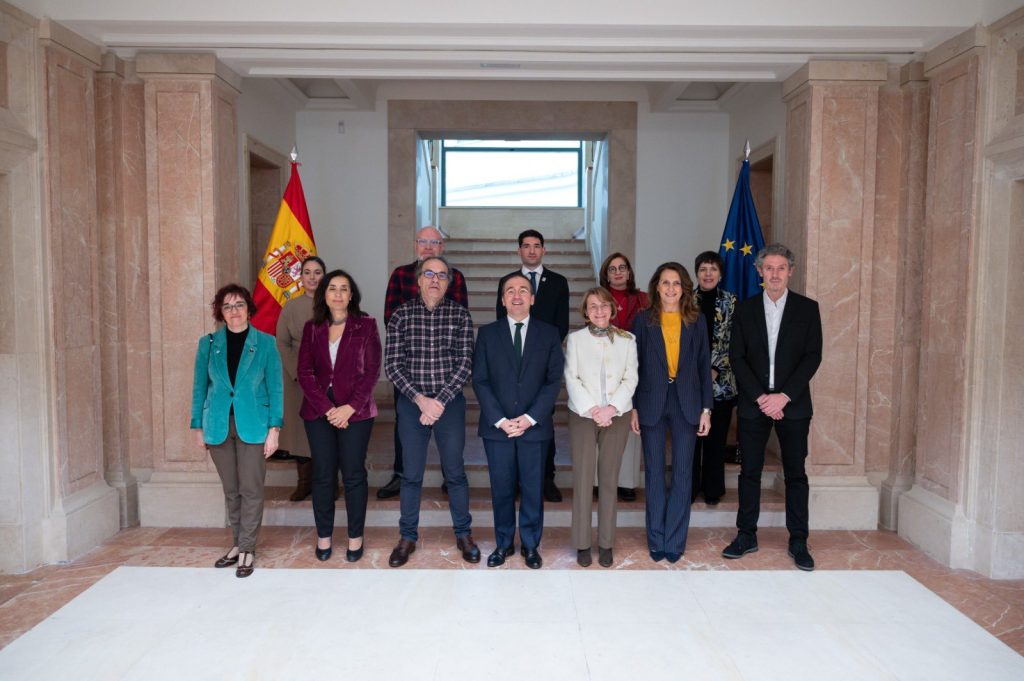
x: 227, y: 559
x: 323, y: 554
x: 352, y: 555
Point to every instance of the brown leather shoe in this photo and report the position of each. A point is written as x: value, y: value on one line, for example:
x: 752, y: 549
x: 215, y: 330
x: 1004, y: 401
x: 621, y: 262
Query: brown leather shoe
x: 400, y: 556
x: 470, y: 551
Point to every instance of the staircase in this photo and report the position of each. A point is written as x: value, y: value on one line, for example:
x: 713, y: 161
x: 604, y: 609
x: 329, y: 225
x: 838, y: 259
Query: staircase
x: 483, y: 262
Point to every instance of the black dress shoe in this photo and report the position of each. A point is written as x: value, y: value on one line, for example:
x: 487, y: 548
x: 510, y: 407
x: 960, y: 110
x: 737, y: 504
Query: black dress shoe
x: 352, y: 555
x: 246, y: 563
x: 801, y: 556
x: 712, y: 501
x: 551, y: 492
x: 390, y: 490
x: 740, y: 546
x: 226, y: 560
x: 673, y: 557
x: 400, y: 556
x: 499, y: 555
x: 470, y: 551
x: 627, y: 494
x: 584, y: 558
x: 323, y: 554
x: 281, y: 455
x: 604, y: 557
x: 657, y: 556
x: 444, y: 488
x: 533, y: 559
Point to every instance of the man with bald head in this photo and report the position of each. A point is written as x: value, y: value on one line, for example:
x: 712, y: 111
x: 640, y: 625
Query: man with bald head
x: 427, y: 243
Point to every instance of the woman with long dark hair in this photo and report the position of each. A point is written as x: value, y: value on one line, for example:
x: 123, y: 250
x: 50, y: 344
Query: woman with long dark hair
x: 673, y: 395
x: 339, y: 363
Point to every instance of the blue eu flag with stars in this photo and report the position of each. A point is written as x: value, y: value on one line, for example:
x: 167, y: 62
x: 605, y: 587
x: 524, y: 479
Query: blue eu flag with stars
x: 741, y: 241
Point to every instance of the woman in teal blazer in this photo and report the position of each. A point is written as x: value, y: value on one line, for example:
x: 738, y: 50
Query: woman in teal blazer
x: 237, y: 411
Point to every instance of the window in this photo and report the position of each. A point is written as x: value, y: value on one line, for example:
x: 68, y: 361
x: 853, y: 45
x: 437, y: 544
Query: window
x: 536, y: 173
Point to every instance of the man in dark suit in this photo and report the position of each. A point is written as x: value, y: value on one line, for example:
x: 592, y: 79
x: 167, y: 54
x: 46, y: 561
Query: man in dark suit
x: 551, y: 305
x: 775, y: 350
x: 517, y: 373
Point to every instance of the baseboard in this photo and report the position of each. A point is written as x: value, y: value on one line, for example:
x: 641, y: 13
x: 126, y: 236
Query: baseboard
x: 181, y: 500
x: 81, y: 521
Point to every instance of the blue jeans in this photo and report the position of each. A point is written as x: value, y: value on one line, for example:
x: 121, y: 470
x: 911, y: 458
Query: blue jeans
x: 450, y: 436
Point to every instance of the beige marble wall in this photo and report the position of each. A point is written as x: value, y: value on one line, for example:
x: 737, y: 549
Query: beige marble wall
x: 409, y: 118
x: 832, y: 137
x: 26, y: 486
x: 193, y: 249
x: 121, y: 192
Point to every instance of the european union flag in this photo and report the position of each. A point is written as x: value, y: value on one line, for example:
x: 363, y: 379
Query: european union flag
x: 741, y: 241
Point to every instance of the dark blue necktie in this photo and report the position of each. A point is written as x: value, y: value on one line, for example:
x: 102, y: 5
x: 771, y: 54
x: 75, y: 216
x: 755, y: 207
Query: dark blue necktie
x: 533, y: 282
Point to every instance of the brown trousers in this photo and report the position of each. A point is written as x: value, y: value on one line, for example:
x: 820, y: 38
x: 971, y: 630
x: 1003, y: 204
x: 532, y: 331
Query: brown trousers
x: 242, y: 471
x: 600, y: 448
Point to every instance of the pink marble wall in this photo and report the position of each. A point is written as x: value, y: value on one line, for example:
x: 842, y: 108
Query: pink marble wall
x: 950, y: 223
x: 74, y: 259
x: 831, y: 158
x: 191, y: 169
x: 121, y: 194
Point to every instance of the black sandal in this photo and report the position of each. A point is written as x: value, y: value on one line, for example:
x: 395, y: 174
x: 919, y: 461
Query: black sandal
x: 227, y: 559
x: 245, y: 566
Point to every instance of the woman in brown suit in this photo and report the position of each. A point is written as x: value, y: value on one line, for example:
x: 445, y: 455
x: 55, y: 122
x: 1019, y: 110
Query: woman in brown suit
x: 294, y: 316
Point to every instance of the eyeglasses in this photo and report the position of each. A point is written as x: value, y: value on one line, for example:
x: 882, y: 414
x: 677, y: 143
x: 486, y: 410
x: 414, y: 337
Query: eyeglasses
x: 430, y: 274
x: 429, y: 242
x: 233, y: 308
x: 612, y: 269
x: 600, y: 307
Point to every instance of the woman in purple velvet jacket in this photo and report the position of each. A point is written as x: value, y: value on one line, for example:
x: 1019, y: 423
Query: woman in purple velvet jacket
x: 339, y: 363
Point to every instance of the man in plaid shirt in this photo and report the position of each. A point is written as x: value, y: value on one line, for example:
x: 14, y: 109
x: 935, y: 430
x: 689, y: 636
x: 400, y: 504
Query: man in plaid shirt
x: 428, y: 355
x: 402, y: 287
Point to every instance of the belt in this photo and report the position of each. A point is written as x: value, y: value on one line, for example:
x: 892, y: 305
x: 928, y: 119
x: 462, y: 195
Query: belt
x: 671, y: 380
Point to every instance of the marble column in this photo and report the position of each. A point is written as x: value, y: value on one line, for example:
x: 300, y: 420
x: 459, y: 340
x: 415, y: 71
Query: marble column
x: 26, y: 486
x: 191, y: 146
x: 896, y: 285
x: 965, y: 507
x: 831, y: 149
x: 125, y: 348
x: 85, y: 507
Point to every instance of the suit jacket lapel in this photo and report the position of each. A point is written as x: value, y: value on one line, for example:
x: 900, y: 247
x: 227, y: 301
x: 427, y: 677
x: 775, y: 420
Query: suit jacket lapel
x: 762, y: 323
x: 505, y: 341
x: 659, y: 347
x: 219, y: 355
x: 787, y: 319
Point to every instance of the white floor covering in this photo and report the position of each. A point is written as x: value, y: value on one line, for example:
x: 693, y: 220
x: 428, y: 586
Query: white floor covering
x: 191, y: 623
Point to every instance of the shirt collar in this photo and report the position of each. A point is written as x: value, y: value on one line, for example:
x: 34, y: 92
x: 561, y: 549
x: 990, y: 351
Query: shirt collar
x: 512, y: 323
x: 778, y: 304
x: 540, y: 271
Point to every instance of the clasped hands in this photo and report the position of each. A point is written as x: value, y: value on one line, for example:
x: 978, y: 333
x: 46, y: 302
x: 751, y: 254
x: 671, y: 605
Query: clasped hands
x: 603, y: 415
x: 517, y: 426
x: 772, y: 404
x: 430, y: 409
x: 339, y: 416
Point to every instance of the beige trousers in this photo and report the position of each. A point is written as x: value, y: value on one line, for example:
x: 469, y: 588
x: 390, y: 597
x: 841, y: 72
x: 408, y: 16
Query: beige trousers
x: 600, y: 449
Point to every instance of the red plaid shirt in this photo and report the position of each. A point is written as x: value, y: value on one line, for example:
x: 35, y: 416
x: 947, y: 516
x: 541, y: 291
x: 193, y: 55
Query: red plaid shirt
x: 403, y: 287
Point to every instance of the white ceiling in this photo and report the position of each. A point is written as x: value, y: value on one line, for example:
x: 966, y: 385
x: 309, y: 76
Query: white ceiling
x: 687, y: 54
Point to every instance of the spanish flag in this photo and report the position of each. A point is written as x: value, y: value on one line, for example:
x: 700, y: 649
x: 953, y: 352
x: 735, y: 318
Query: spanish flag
x: 291, y: 242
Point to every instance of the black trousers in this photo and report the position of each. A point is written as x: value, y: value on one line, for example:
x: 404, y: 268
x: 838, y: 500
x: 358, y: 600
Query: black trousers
x: 753, y: 436
x: 549, y: 456
x: 709, y: 454
x: 333, y: 448
x: 398, y: 440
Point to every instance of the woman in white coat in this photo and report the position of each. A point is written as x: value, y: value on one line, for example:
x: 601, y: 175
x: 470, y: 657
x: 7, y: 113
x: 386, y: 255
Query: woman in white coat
x: 600, y: 377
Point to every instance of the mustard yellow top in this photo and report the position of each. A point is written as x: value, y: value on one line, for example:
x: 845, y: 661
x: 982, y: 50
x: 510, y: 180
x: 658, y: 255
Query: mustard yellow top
x: 671, y: 331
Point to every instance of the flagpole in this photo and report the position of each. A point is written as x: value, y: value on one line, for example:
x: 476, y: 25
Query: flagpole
x: 746, y: 150
x: 295, y: 154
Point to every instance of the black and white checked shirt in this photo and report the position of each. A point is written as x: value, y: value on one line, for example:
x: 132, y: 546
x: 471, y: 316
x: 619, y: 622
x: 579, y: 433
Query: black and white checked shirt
x: 429, y: 352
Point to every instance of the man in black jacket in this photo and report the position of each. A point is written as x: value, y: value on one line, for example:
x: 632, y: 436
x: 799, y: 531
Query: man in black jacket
x: 550, y: 305
x: 775, y: 350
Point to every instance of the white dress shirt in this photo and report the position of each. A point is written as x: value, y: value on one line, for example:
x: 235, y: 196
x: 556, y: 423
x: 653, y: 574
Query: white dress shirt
x: 540, y: 275
x: 525, y: 321
x: 773, y: 320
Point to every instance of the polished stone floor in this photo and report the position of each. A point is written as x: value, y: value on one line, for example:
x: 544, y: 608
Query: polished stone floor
x: 28, y: 599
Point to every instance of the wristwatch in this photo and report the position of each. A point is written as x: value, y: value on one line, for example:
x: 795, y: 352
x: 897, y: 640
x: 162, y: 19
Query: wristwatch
x: 706, y: 411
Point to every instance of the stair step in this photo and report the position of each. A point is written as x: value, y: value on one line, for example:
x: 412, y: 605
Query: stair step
x: 278, y: 510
